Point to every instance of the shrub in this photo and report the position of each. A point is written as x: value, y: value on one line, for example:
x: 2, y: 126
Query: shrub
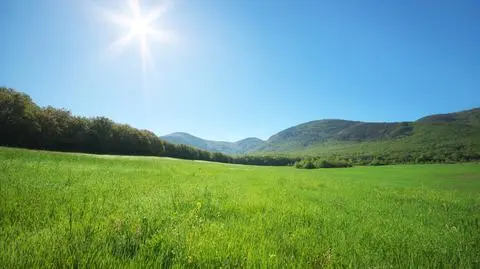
x: 320, y: 163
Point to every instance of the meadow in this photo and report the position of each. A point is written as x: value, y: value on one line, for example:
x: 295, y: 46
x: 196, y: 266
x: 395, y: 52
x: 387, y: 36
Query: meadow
x: 80, y: 210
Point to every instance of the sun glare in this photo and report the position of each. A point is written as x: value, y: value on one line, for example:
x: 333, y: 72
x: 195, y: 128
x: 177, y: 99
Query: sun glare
x: 139, y: 26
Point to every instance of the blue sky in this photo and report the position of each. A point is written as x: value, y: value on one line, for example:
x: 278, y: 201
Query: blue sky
x: 247, y: 68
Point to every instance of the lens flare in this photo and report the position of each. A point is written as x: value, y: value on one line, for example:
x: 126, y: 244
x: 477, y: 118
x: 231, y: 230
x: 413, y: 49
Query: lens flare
x: 141, y: 27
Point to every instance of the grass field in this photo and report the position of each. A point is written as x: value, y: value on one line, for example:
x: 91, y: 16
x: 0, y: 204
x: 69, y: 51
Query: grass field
x: 76, y: 210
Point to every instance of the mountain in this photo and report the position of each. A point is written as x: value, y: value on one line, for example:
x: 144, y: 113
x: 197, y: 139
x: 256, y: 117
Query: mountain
x: 249, y: 144
x: 435, y: 133
x: 326, y: 131
x: 240, y: 147
x: 432, y: 135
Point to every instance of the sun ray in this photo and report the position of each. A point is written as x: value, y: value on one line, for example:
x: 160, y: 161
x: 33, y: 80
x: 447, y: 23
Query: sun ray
x: 162, y: 36
x: 156, y: 13
x: 140, y: 26
x: 135, y: 7
x: 118, y: 46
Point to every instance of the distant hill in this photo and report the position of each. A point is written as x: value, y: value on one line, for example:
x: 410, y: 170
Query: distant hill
x: 431, y: 136
x: 458, y: 132
x: 322, y: 131
x: 326, y: 131
x: 240, y: 147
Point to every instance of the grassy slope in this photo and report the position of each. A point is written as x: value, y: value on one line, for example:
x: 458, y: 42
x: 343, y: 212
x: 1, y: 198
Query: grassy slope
x: 427, y: 137
x: 436, y: 133
x: 73, y: 209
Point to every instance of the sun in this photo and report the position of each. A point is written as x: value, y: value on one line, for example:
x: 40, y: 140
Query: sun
x: 141, y: 27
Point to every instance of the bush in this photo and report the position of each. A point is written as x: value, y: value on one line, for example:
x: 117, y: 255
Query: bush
x: 378, y: 162
x: 321, y: 163
x: 305, y: 164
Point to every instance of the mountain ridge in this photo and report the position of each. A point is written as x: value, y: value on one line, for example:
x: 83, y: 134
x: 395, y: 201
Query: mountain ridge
x: 318, y: 136
x: 242, y: 146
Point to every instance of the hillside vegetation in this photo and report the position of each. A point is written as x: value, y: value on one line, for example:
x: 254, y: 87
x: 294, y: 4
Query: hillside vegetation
x: 442, y: 137
x: 67, y: 210
x: 461, y: 129
x: 437, y: 138
x: 453, y: 137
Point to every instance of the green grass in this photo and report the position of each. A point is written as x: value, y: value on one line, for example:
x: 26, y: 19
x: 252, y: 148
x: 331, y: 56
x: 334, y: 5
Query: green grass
x: 78, y: 210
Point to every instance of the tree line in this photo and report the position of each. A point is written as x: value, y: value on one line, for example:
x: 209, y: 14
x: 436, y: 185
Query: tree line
x: 444, y: 155
x: 24, y: 124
